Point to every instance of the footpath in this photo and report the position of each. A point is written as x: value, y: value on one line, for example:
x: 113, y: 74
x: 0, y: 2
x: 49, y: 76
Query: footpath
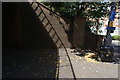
x: 86, y: 68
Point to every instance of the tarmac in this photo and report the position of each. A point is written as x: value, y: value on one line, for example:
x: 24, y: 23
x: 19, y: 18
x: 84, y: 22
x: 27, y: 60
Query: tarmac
x: 42, y: 64
x: 86, y: 67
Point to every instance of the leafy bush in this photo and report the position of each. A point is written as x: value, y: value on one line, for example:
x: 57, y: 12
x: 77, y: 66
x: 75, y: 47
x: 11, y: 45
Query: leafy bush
x: 116, y: 37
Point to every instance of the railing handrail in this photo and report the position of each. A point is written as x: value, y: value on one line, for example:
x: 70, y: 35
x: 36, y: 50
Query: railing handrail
x: 50, y: 10
x: 63, y: 46
x: 52, y: 27
x: 55, y: 14
x: 58, y: 37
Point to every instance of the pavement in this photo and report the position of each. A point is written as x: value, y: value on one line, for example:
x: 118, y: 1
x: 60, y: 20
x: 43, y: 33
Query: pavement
x: 65, y: 70
x: 31, y: 63
x: 116, y: 45
x: 86, y: 67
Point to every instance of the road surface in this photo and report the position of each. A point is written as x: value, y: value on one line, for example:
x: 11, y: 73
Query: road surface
x: 116, y: 45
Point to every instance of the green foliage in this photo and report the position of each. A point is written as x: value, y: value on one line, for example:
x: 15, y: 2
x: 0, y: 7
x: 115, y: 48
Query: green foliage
x: 88, y: 9
x: 95, y: 9
x: 66, y: 9
x: 69, y: 10
x: 116, y: 37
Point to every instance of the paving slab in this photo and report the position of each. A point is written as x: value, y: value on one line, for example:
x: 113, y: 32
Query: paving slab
x: 65, y: 70
x: 85, y: 68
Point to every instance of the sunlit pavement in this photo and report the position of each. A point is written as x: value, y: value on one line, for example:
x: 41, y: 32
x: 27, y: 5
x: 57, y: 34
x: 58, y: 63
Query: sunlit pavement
x: 65, y: 70
x: 116, y: 45
x: 88, y: 68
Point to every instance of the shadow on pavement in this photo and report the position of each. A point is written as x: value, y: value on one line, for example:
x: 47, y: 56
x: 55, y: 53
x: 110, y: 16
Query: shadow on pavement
x: 32, y: 63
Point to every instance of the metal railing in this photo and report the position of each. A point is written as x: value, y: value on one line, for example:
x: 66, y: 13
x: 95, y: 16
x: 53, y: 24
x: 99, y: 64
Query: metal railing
x: 38, y: 5
x: 58, y: 16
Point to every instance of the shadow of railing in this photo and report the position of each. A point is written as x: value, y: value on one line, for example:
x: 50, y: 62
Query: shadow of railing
x: 52, y: 32
x: 65, y: 27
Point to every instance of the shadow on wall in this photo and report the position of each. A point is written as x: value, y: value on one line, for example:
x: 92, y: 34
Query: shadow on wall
x: 92, y: 41
x: 23, y: 29
x: 27, y: 50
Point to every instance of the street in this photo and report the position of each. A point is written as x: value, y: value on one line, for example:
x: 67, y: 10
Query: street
x: 116, y: 45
